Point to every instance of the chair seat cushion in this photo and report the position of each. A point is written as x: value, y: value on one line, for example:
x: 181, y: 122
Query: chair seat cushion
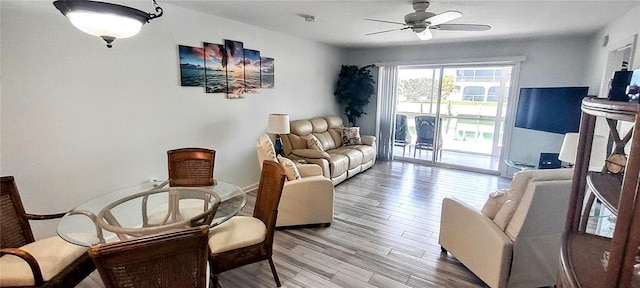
x: 265, y: 149
x: 53, y: 255
x: 237, y: 232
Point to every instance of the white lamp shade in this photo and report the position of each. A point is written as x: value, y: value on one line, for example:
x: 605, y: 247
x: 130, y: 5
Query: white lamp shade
x: 105, y: 24
x: 278, y: 124
x: 570, y: 149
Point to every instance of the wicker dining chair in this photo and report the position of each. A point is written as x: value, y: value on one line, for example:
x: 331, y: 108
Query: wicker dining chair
x: 190, y: 167
x: 176, y: 259
x: 25, y: 262
x: 243, y: 240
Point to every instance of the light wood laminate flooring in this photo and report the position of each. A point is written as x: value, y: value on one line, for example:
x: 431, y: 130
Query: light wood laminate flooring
x: 384, y: 234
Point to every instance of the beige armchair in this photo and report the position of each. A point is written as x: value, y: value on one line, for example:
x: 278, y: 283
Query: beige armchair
x: 514, y: 240
x: 305, y: 201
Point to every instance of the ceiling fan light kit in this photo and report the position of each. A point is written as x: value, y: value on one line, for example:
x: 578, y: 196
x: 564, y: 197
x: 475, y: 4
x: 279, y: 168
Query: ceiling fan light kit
x: 421, y: 22
x: 106, y: 20
x: 424, y: 35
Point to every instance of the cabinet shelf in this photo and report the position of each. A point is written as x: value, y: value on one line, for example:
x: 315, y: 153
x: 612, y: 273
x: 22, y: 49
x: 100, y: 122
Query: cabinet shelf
x: 581, y: 259
x: 599, y: 107
x: 606, y: 187
x: 584, y: 260
x: 582, y: 253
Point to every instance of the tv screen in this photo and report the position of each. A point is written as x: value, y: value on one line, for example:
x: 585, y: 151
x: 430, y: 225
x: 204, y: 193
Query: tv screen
x: 553, y: 109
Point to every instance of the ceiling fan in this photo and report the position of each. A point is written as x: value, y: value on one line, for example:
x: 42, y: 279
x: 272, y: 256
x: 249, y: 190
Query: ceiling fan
x: 421, y: 21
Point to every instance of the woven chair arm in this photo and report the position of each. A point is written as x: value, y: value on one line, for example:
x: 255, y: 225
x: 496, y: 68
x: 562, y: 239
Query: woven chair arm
x: 44, y: 216
x: 33, y: 263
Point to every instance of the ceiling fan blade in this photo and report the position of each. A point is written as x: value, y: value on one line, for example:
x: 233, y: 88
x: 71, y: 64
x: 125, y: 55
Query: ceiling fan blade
x: 385, y: 31
x: 444, y: 17
x: 384, y: 21
x: 425, y: 35
x: 461, y: 27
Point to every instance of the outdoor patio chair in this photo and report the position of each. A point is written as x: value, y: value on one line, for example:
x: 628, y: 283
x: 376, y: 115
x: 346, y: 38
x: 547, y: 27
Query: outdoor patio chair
x: 402, y: 136
x: 426, y: 135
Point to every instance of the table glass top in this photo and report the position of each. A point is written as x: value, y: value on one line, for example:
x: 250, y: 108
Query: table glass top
x: 147, y: 209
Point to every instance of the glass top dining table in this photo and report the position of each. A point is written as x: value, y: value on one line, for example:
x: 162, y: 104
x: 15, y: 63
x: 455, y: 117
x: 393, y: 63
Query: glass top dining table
x: 147, y: 209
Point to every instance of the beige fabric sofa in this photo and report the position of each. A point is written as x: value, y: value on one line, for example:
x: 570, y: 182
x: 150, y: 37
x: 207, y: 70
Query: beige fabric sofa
x: 514, y: 241
x: 304, y: 201
x: 338, y: 162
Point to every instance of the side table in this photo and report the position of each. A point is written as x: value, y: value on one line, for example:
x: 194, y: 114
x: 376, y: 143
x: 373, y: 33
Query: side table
x: 519, y: 165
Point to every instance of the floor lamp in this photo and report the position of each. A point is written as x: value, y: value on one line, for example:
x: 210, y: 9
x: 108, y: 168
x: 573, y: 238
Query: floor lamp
x: 278, y: 124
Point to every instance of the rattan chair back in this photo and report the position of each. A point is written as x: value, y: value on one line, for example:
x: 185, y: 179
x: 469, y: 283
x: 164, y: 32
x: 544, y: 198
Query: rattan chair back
x: 16, y: 231
x: 190, y: 167
x: 268, y: 198
x: 177, y: 259
x: 272, y: 180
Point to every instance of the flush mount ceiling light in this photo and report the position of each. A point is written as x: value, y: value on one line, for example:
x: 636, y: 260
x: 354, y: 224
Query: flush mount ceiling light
x: 105, y: 20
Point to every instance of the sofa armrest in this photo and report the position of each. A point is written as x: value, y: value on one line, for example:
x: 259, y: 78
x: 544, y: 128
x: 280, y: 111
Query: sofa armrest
x: 306, y: 201
x: 311, y: 153
x: 307, y: 170
x: 368, y: 139
x: 476, y: 241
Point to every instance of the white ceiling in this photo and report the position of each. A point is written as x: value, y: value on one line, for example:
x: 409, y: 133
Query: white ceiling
x: 342, y: 24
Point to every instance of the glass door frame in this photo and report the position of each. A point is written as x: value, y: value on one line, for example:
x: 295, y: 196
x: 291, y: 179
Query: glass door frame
x: 507, y: 119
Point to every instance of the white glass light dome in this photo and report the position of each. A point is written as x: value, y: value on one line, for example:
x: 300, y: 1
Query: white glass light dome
x: 106, y: 20
x: 100, y: 25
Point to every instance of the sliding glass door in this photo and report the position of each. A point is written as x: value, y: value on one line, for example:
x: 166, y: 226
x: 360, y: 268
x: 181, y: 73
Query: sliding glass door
x: 452, y: 115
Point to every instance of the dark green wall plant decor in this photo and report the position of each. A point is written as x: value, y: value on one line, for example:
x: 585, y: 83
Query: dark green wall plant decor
x: 354, y: 89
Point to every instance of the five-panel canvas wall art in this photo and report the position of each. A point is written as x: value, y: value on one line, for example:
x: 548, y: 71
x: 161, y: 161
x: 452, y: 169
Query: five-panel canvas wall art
x: 228, y: 68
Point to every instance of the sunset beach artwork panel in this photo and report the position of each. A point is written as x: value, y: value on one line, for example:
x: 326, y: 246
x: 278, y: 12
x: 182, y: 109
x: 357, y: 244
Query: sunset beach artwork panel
x: 191, y: 66
x: 251, y: 70
x: 235, y: 69
x: 266, y: 72
x: 215, y: 68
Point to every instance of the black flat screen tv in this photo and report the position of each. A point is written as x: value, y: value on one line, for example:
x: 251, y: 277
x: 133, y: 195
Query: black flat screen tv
x: 551, y: 109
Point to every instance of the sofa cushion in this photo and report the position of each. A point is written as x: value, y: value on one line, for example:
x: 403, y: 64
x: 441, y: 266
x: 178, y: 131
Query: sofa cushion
x: 494, y: 203
x: 351, y: 136
x: 355, y: 156
x: 314, y: 143
x: 319, y: 125
x: 326, y: 140
x: 265, y: 149
x: 339, y: 165
x: 505, y: 214
x: 368, y: 152
x: 290, y: 168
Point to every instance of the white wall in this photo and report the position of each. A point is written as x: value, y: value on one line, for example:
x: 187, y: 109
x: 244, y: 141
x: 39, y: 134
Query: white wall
x: 550, y: 62
x: 618, y: 32
x: 79, y: 119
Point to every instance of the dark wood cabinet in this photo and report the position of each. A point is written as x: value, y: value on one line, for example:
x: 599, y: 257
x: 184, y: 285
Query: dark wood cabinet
x: 582, y: 254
